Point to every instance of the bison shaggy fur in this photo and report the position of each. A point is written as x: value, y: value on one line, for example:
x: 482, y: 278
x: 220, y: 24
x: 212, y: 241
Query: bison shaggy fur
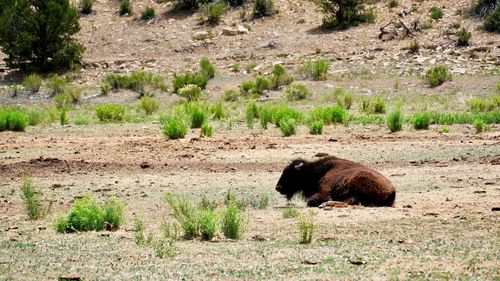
x: 332, y: 181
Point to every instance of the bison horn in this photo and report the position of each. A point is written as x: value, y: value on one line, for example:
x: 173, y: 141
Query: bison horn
x: 299, y: 166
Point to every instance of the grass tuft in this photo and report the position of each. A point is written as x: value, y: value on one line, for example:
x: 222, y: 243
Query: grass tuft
x: 233, y: 221
x: 395, y: 121
x: 32, y: 202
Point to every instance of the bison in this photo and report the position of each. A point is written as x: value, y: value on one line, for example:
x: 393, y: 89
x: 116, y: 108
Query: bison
x: 335, y: 182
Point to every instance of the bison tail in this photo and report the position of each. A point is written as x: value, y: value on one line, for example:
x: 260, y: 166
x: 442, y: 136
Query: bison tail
x: 390, y: 199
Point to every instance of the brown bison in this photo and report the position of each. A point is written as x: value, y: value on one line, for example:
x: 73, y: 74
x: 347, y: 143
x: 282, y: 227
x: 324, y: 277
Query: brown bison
x: 335, y: 182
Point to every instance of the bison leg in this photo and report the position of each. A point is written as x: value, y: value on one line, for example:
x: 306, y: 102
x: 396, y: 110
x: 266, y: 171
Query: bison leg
x: 317, y: 199
x: 340, y: 204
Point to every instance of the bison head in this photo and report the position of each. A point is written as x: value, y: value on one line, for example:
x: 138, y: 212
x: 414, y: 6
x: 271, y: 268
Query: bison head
x: 289, y: 182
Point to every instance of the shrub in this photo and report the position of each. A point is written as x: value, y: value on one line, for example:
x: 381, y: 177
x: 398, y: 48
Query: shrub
x: 56, y: 84
x: 480, y: 126
x: 71, y: 95
x: 207, y: 68
x: 63, y: 119
x: 180, y: 81
x: 233, y: 221
x: 315, y: 70
x: 296, y: 92
x: 235, y: 3
x: 251, y: 112
x: 365, y: 105
x: 231, y: 95
x: 280, y: 77
x: 32, y: 83
x: 125, y: 8
x: 342, y: 98
x: 492, y: 21
x: 87, y: 215
x: 463, y: 37
x: 316, y: 127
x: 436, y: 13
x: 265, y: 116
x: 198, y: 116
x: 139, y: 237
x: 262, y: 83
x: 306, y: 231
x: 421, y: 121
x: 12, y: 119
x: 288, y: 126
x: 262, y: 8
x: 149, y: 105
x: 137, y: 81
x: 379, y: 106
x: 284, y: 112
x: 36, y: 116
x: 110, y: 112
x: 175, y: 128
x: 341, y: 14
x: 206, y: 130
x: 437, y: 76
x: 393, y: 3
x: 261, y: 202
x: 248, y: 88
x: 190, y: 92
x: 105, y: 89
x: 414, y: 46
x: 290, y: 212
x: 31, y: 198
x: 395, y: 121
x: 186, y: 213
x: 148, y: 13
x: 39, y: 34
x: 86, y: 6
x: 208, y: 224
x: 217, y: 110
x: 339, y: 115
x: 212, y: 12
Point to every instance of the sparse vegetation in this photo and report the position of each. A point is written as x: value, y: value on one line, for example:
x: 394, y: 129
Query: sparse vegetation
x: 297, y: 91
x: 316, y: 127
x: 32, y: 200
x: 306, y: 226
x: 262, y: 8
x: 148, y: 13
x: 290, y: 212
x: 56, y: 84
x: 174, y: 128
x: 186, y: 213
x: 463, y: 37
x: 315, y: 70
x: 12, y: 119
x: 233, y: 221
x: 208, y: 224
x: 32, y: 83
x: 125, y: 8
x: 211, y: 13
x: 138, y: 81
x: 207, y: 69
x: 231, y: 95
x: 341, y: 14
x: 190, y: 92
x: 421, y: 121
x: 414, y: 46
x: 260, y: 202
x: 149, y: 105
x: 480, y: 126
x: 180, y: 81
x: 198, y: 116
x: 206, y: 130
x: 110, y: 112
x: 436, y: 13
x: 437, y: 76
x: 395, y: 121
x: 86, y: 6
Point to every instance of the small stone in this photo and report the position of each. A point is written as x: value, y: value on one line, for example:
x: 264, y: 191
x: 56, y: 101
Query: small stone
x: 228, y: 31
x: 243, y: 30
x: 200, y: 35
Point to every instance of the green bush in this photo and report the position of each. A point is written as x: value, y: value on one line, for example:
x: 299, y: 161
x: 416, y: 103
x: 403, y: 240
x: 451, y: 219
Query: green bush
x: 414, y: 46
x: 233, y: 221
x: 174, y: 128
x: 265, y: 116
x: 343, y: 99
x: 296, y: 92
x: 186, y: 213
x: 87, y: 215
x: 437, y: 76
x: 110, y: 112
x: 316, y: 127
x: 339, y: 115
x: 12, y: 119
x: 198, y: 117
x: 138, y: 81
x: 39, y: 34
x: 262, y: 83
x: 63, y: 119
x: 217, y: 111
x: 231, y: 95
x: 463, y: 37
x: 248, y: 88
x: 315, y: 70
x: 283, y: 112
x: 421, y: 121
x: 208, y: 224
x: 379, y: 106
x: 71, y: 95
x: 251, y: 112
x: 207, y: 68
x: 190, y: 92
x: 395, y: 121
x: 125, y: 8
x: 342, y: 14
x: 262, y: 8
x: 56, y: 84
x: 32, y: 201
x: 149, y: 104
x: 288, y: 126
x: 290, y: 212
x: 206, y: 130
x: 492, y: 21
x: 105, y: 89
x: 484, y: 8
x: 36, y: 116
x: 280, y: 77
x: 180, y: 81
x: 211, y: 13
x: 436, y: 13
x: 480, y: 126
x: 32, y: 83
x: 148, y: 13
x: 86, y: 6
x: 481, y: 105
x: 306, y: 230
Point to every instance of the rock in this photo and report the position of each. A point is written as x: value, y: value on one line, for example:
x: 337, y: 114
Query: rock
x: 228, y: 31
x: 243, y: 30
x: 200, y: 35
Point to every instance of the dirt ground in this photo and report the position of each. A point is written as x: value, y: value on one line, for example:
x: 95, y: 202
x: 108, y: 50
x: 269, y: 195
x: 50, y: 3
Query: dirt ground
x: 442, y: 226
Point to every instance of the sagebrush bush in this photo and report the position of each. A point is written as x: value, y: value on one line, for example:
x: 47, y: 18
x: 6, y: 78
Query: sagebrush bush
x: 316, y: 127
x: 421, y: 121
x: 174, y: 128
x: 231, y: 95
x: 125, y: 8
x: 206, y: 130
x: 180, y: 81
x: 342, y: 14
x: 262, y: 83
x: 283, y: 112
x: 306, y: 226
x: 32, y: 200
x: 395, y: 121
x: 190, y: 92
x: 13, y: 119
x: 339, y: 115
x: 186, y: 213
x: 208, y: 224
x: 437, y: 76
x: 248, y: 88
x: 211, y: 13
x: 233, y: 221
x: 315, y: 70
x: 198, y: 116
x: 32, y: 83
x: 480, y: 126
x: 414, y: 46
x: 56, y: 84
x: 379, y: 106
x: 262, y: 8
x: 297, y: 91
x: 138, y: 81
x: 207, y: 69
x: 280, y: 77
x: 251, y: 112
x: 436, y: 13
x: 288, y: 126
x: 86, y: 6
x: 290, y: 212
x: 110, y: 112
x: 149, y: 105
x: 87, y: 215
x: 463, y: 37
x: 148, y: 13
x: 492, y: 21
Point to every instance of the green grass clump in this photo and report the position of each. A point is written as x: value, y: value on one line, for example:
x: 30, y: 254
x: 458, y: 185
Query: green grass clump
x: 306, y: 227
x: 148, y: 13
x: 437, y: 76
x: 86, y: 6
x: 32, y: 83
x: 436, y: 13
x: 87, y: 215
x: 378, y: 106
x: 414, y: 46
x: 262, y: 8
x: 208, y: 224
x: 206, y: 130
x: 231, y: 95
x: 316, y: 127
x: 217, y: 111
x: 186, y: 213
x: 198, y: 116
x: 63, y: 118
x: 288, y: 126
x: 32, y: 201
x: 68, y: 97
x: 283, y: 112
x: 265, y: 116
x: 339, y: 115
x: 110, y: 112
x: 180, y: 81
x: 280, y: 77
x: 139, y: 81
x: 480, y: 126
x: 174, y: 128
x: 395, y: 121
x: 262, y: 83
x: 482, y: 105
x: 296, y: 92
x: 56, y: 84
x: 421, y: 121
x: 248, y: 89
x: 149, y: 105
x: 343, y: 99
x: 315, y: 70
x: 251, y: 112
x: 36, y: 116
x: 233, y: 221
x: 12, y: 119
x: 207, y: 69
x: 190, y: 92
x: 125, y: 8
x: 463, y: 37
x: 290, y: 212
x: 211, y: 13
